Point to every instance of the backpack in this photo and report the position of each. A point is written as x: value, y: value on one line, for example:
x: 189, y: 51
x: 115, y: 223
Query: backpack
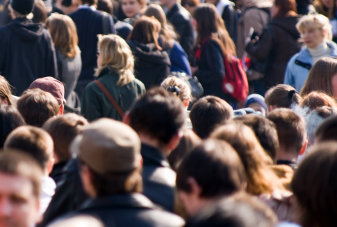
x: 235, y: 81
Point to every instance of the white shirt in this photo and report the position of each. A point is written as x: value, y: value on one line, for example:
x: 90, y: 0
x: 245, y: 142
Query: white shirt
x: 48, y: 187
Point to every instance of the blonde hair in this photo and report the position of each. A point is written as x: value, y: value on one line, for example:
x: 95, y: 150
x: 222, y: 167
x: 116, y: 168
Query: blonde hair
x: 5, y: 90
x: 117, y: 56
x: 64, y: 34
x: 184, y: 90
x: 315, y: 21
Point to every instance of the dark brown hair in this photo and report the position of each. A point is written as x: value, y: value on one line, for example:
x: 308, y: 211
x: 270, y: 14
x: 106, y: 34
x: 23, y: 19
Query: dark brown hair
x: 315, y: 99
x: 282, y: 95
x: 105, y: 6
x: 285, y: 7
x: 327, y: 130
x: 39, y: 12
x: 89, y: 2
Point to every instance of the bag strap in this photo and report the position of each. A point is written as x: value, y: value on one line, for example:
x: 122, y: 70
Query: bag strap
x: 110, y: 97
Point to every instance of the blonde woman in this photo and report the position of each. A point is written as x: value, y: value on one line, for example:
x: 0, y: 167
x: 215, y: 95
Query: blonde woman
x: 115, y: 71
x: 317, y: 35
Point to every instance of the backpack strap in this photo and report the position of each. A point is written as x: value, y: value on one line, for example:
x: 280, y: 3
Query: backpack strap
x: 110, y: 97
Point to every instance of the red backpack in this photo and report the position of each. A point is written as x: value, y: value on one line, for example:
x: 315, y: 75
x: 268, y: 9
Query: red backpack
x: 235, y: 80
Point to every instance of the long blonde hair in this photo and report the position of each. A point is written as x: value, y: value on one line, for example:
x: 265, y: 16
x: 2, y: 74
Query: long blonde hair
x: 117, y: 56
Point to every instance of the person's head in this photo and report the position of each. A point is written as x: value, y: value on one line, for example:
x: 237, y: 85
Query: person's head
x: 315, y: 29
x: 316, y: 99
x: 322, y: 77
x: 10, y: 119
x: 256, y: 102
x: 208, y: 113
x: 5, y: 92
x: 209, y: 23
x: 168, y: 3
x: 159, y: 116
x: 115, y: 54
x: 260, y: 178
x: 179, y: 88
x: 190, y: 5
x: 37, y: 106
x: 89, y: 2
x: 20, y: 187
x: 63, y: 129
x: 281, y: 96
x: 35, y: 142
x: 109, y: 156
x: 291, y: 132
x: 21, y: 8
x: 132, y: 7
x: 265, y: 131
x: 78, y: 221
x: 327, y: 130
x: 105, y: 6
x: 211, y: 170
x: 283, y: 8
x: 64, y: 34
x: 146, y: 30
x: 39, y: 11
x: 314, y: 186
x: 332, y: 9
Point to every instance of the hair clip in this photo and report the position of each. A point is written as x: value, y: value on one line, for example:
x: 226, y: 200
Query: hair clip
x: 174, y: 89
x: 291, y: 94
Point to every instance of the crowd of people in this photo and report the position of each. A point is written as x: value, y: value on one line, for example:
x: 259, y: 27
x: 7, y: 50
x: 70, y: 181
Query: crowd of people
x: 123, y: 113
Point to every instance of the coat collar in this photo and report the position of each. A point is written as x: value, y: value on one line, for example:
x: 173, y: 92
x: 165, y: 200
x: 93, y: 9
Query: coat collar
x: 305, y: 57
x: 152, y: 156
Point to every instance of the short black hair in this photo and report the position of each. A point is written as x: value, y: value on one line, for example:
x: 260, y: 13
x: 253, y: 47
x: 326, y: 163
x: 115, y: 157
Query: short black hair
x: 208, y: 113
x: 158, y: 114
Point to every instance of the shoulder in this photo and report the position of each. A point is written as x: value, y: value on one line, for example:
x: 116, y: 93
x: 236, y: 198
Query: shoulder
x: 182, y: 14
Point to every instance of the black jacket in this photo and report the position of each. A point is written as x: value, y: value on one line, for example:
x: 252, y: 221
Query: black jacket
x: 152, y: 66
x: 158, y: 178
x: 279, y: 42
x: 230, y: 19
x: 180, y: 18
x: 26, y: 53
x: 128, y: 210
x: 57, y: 172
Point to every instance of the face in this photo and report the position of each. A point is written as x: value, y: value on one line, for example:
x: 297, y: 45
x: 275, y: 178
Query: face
x: 190, y: 6
x: 334, y: 85
x: 131, y: 7
x: 18, y: 205
x: 327, y: 3
x: 214, y: 2
x: 312, y: 37
x: 257, y: 107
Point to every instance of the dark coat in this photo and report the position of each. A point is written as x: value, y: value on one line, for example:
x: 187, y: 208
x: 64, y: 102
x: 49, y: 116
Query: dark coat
x: 128, y: 210
x: 180, y: 18
x: 152, y: 66
x: 26, y: 53
x: 282, y: 44
x: 95, y: 103
x: 57, y: 172
x: 158, y: 178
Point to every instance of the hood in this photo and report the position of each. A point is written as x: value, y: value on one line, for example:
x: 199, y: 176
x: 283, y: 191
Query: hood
x: 259, y: 3
x: 26, y: 29
x: 288, y: 24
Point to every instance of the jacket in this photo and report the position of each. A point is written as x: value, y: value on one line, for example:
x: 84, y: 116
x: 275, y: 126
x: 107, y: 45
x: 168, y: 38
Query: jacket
x: 228, y: 13
x: 123, y: 29
x: 299, y: 66
x: 152, y: 66
x: 158, y: 178
x: 57, y: 172
x: 179, y: 60
x: 95, y: 103
x: 26, y: 53
x: 180, y: 18
x: 279, y: 41
x: 128, y: 210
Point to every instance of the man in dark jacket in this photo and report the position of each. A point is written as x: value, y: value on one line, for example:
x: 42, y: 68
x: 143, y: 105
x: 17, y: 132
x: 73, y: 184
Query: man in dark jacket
x: 181, y: 19
x: 90, y: 23
x: 158, y: 118
x: 26, y: 49
x: 109, y: 155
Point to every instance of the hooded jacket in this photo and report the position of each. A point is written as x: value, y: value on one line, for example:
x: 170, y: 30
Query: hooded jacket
x: 152, y: 66
x: 26, y: 53
x: 279, y: 41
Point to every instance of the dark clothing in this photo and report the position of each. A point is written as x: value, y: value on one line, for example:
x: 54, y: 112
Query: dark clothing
x: 57, y: 172
x: 5, y: 18
x: 152, y: 66
x: 228, y: 14
x: 158, y: 178
x: 56, y: 10
x: 292, y: 164
x: 179, y: 60
x: 180, y: 18
x: 123, y: 29
x: 26, y: 53
x: 282, y: 41
x: 95, y: 103
x: 128, y: 210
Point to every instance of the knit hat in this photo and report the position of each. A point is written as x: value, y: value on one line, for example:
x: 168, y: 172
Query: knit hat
x: 256, y: 98
x: 22, y: 6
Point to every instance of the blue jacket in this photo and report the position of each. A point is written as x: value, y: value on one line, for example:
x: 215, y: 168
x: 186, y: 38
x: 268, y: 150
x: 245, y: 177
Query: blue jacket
x: 179, y: 60
x: 299, y: 66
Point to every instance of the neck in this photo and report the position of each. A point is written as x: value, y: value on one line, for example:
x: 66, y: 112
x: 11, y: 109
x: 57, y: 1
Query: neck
x: 150, y: 141
x: 319, y: 50
x: 170, y: 5
x: 288, y: 155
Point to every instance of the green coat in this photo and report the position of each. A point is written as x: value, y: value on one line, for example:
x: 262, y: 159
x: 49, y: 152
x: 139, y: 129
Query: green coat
x: 96, y: 105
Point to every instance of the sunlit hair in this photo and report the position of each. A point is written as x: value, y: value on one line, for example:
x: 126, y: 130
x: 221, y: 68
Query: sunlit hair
x: 117, y: 56
x: 184, y: 91
x: 316, y: 99
x: 5, y: 91
x: 315, y: 21
x: 64, y: 34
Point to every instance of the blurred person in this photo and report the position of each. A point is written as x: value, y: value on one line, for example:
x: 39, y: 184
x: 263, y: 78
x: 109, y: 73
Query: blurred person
x: 131, y: 9
x: 305, y: 7
x: 327, y: 130
x: 322, y: 6
x: 6, y: 96
x: 213, y: 45
x: 39, y: 12
x: 181, y: 20
x: 256, y: 102
x: 116, y: 73
x: 190, y: 5
x: 158, y: 117
x: 316, y: 32
x: 316, y: 99
x: 37, y: 106
x: 64, y: 34
x: 89, y: 23
x: 178, y: 58
x: 78, y: 221
x: 27, y: 50
x: 63, y: 129
x: 208, y: 113
x: 179, y: 88
x: 152, y: 65
x: 282, y: 96
x: 65, y: 6
x: 20, y: 187
x: 39, y: 145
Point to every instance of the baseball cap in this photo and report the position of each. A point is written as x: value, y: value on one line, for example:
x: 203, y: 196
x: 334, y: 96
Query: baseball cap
x: 51, y: 85
x: 108, y: 146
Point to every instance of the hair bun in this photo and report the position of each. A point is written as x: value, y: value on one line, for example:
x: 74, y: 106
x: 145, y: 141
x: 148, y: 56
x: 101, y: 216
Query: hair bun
x: 291, y: 94
x: 173, y: 89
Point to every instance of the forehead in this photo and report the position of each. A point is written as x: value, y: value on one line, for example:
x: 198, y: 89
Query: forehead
x: 15, y: 185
